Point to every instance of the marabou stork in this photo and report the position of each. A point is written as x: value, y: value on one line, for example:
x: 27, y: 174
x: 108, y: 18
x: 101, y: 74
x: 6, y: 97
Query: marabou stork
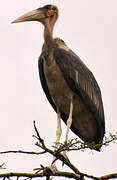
x: 69, y: 85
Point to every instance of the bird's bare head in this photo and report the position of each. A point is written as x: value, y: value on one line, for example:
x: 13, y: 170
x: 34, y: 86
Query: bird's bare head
x: 48, y: 12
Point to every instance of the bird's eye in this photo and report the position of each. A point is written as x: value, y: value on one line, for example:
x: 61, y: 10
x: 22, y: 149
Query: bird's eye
x: 54, y: 8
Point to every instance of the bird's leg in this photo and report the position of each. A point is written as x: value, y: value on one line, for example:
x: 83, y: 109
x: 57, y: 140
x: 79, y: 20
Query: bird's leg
x: 59, y: 130
x: 58, y: 135
x: 69, y: 122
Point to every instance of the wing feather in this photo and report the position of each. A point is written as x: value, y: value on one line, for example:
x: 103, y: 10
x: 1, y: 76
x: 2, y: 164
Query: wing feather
x: 82, y: 82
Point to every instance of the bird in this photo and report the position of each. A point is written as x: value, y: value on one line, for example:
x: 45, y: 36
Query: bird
x: 69, y: 85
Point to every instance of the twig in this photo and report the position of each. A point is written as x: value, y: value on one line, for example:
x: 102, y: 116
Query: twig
x: 23, y: 152
x: 75, y: 144
x: 109, y: 176
x: 37, y: 132
x: 1, y: 166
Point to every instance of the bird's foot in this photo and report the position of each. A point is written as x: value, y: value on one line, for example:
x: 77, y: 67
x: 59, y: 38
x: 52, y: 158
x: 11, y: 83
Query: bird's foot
x: 46, y: 169
x: 53, y: 167
x: 65, y: 156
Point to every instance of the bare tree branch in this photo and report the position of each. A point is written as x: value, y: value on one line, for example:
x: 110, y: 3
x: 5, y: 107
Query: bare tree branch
x: 109, y: 176
x: 47, y: 172
x: 43, y: 174
x: 59, y: 156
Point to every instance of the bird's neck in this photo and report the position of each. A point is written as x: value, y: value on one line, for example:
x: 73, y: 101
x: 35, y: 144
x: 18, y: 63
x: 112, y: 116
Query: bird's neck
x: 48, y: 32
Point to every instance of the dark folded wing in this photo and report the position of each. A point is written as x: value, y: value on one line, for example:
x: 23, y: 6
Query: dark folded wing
x: 82, y: 82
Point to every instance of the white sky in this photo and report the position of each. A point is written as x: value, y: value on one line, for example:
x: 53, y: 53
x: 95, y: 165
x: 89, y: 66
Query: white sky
x: 90, y: 29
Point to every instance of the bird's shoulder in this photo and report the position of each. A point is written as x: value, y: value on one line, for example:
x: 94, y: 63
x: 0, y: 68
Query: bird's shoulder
x: 61, y: 44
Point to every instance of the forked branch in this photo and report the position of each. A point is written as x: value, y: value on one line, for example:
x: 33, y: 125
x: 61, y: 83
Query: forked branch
x: 73, y: 144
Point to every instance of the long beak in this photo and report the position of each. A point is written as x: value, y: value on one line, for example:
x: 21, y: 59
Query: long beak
x: 35, y: 15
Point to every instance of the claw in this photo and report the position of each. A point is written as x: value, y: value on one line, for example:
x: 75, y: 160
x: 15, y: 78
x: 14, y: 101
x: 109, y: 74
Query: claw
x: 53, y: 167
